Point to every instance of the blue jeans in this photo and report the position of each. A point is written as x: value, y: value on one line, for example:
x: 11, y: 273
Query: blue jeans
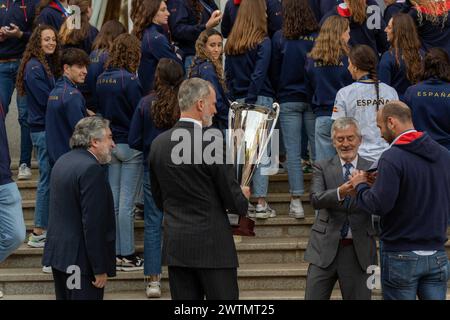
x: 324, y: 145
x: 8, y: 73
x: 260, y: 182
x: 124, y: 172
x: 43, y: 187
x: 293, y: 116
x: 406, y: 274
x: 152, y: 230
x: 12, y: 225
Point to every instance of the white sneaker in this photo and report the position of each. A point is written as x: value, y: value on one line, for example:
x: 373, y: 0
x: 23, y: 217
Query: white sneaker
x: 47, y: 269
x: 153, y: 289
x: 264, y: 212
x: 37, y: 241
x: 251, y: 210
x: 296, y: 209
x: 1, y: 294
x: 24, y: 172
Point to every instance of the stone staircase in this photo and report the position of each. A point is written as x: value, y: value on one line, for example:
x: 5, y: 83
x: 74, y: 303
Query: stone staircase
x: 271, y: 264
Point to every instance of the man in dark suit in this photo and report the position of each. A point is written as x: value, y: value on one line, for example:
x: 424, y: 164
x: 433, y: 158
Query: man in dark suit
x: 342, y: 244
x: 195, y: 196
x: 81, y: 232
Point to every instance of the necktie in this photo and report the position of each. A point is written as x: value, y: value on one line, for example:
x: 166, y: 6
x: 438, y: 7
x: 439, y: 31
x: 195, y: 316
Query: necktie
x: 347, y: 173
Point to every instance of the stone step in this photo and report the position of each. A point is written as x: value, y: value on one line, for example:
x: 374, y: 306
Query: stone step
x: 251, y: 250
x: 278, y: 201
x: 267, y: 295
x: 31, y: 281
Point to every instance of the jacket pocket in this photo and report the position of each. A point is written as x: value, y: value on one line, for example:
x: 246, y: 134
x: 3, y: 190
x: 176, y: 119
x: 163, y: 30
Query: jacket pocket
x: 319, y: 228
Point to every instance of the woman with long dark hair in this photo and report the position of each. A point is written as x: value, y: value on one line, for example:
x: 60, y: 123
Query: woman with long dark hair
x: 98, y: 57
x: 326, y: 72
x: 119, y: 91
x: 156, y: 113
x: 188, y: 18
x: 208, y: 65
x: 363, y: 98
x: 83, y: 37
x: 248, y: 53
x: 429, y: 100
x: 401, y: 65
x: 148, y: 27
x: 35, y: 79
x: 290, y: 47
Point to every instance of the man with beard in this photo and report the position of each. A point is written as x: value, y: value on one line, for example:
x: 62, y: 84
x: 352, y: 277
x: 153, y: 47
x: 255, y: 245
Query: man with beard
x: 411, y: 194
x: 81, y: 231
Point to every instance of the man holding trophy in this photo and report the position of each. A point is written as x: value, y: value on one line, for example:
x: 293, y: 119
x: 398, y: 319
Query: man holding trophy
x: 195, y: 195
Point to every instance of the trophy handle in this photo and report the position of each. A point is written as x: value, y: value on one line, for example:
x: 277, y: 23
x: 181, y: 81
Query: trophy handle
x: 276, y: 108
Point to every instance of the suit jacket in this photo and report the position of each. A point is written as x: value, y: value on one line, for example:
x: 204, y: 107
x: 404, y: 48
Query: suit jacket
x: 195, y: 198
x: 326, y: 230
x: 81, y: 228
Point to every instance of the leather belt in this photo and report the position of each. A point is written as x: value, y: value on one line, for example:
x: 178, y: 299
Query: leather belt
x: 346, y: 242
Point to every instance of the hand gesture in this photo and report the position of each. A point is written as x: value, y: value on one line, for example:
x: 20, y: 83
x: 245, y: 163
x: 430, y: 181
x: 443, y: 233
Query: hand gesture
x: 214, y: 20
x: 100, y: 280
x: 12, y: 32
x: 358, y: 176
x: 346, y: 189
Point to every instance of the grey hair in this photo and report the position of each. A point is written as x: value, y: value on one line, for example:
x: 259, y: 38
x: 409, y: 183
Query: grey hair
x: 344, y: 123
x: 191, y: 91
x: 87, y: 129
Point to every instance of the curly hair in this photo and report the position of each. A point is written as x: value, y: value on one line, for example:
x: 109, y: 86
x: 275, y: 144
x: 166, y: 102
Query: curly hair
x: 168, y: 78
x: 434, y: 11
x: 109, y: 31
x: 200, y: 52
x: 329, y: 46
x: 298, y: 19
x: 249, y: 29
x: 34, y: 50
x: 125, y: 53
x: 364, y: 58
x: 406, y: 44
x: 358, y: 10
x: 144, y: 17
x: 436, y: 64
x: 74, y: 36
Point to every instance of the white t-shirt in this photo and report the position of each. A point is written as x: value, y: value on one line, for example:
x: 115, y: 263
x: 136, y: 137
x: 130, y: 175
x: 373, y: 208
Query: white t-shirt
x: 358, y: 101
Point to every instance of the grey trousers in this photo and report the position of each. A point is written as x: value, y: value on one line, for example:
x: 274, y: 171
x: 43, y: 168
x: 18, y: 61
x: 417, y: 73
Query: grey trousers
x: 346, y: 269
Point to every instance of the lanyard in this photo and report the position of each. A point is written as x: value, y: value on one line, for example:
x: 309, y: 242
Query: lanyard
x: 22, y: 6
x: 365, y: 78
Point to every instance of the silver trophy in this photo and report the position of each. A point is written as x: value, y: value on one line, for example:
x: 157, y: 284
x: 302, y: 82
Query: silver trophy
x: 250, y: 128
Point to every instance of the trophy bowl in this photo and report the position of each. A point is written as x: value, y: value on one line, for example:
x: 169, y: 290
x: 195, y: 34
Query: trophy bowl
x: 250, y: 128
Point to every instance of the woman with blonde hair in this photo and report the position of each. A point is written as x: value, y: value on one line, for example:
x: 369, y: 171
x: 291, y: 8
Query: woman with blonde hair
x: 365, y: 21
x: 248, y: 55
x: 326, y: 73
x: 401, y: 65
x: 83, y: 37
x: 119, y: 92
x: 208, y: 65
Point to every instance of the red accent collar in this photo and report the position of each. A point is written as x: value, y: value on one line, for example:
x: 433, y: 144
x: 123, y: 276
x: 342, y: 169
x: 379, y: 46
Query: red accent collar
x: 409, y: 137
x: 54, y: 5
x: 237, y: 2
x: 343, y: 10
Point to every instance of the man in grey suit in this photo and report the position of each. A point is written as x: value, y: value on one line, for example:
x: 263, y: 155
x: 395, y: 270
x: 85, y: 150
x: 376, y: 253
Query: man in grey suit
x: 342, y: 243
x: 195, y: 195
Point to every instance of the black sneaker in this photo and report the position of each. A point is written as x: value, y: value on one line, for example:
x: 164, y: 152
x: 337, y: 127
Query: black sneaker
x: 132, y: 263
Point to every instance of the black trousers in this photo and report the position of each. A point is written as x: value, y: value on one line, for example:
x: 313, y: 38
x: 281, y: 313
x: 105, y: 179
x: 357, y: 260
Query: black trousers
x: 198, y: 283
x: 87, y: 290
